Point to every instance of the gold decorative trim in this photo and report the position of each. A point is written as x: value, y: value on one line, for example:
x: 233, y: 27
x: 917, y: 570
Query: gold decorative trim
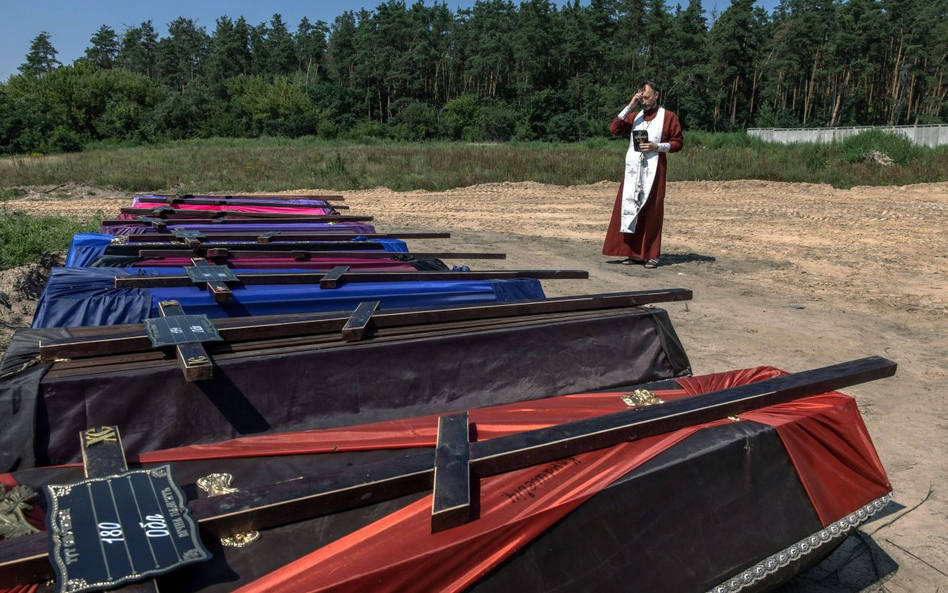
x: 13, y: 502
x: 239, y: 540
x: 640, y: 397
x: 215, y: 485
x: 101, y: 434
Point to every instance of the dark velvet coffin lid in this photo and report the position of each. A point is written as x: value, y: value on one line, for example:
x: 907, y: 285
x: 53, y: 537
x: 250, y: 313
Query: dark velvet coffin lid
x: 307, y: 387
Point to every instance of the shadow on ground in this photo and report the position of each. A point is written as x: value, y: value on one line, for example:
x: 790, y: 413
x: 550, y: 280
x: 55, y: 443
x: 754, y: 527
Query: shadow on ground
x: 685, y: 258
x: 856, y: 565
x: 671, y: 259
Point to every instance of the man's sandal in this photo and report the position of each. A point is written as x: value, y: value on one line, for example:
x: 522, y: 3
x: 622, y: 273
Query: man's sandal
x: 651, y: 264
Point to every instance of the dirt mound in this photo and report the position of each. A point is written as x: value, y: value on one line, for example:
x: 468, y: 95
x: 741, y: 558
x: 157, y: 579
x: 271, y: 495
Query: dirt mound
x: 77, y: 201
x: 19, y: 289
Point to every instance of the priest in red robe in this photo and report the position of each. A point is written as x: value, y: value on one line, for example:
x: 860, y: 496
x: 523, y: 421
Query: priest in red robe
x: 635, y: 231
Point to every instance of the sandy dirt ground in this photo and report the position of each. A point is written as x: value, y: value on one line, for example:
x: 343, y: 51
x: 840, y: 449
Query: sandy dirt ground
x: 791, y: 275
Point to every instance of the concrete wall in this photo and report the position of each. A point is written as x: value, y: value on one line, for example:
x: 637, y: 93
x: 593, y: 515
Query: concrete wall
x: 935, y: 135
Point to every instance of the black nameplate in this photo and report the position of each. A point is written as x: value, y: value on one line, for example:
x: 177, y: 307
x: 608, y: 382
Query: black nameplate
x: 181, y: 329
x: 207, y: 273
x: 187, y: 234
x: 117, y: 529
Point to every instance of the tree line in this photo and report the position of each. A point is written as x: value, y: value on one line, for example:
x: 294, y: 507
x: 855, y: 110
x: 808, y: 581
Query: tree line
x: 492, y: 72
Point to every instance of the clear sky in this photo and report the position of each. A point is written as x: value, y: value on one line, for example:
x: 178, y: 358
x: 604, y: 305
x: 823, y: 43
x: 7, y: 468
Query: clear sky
x: 71, y: 23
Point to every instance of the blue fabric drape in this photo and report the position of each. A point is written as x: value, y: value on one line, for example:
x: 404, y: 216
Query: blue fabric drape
x: 86, y: 248
x: 390, y: 245
x: 87, y: 296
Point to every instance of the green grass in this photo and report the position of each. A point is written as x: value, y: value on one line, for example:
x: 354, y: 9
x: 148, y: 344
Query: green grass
x: 28, y: 239
x: 11, y: 194
x: 720, y: 157
x: 269, y: 164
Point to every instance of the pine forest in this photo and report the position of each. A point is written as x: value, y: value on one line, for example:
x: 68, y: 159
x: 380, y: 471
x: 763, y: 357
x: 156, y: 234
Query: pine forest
x: 533, y: 71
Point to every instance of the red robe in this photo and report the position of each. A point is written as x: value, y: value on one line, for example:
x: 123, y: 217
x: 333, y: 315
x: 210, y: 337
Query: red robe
x: 646, y: 242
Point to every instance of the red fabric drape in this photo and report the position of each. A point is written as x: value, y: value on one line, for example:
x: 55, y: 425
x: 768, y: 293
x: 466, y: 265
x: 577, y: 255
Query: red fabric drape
x: 8, y: 481
x: 421, y: 431
x: 830, y: 448
x: 22, y: 589
x: 824, y: 435
x: 400, y: 554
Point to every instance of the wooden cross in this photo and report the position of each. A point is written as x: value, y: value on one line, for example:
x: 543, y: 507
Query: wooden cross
x: 191, y: 237
x: 284, y: 236
x: 192, y: 357
x: 305, y: 254
x: 331, y: 279
x: 267, y: 236
x: 357, y: 325
x: 267, y: 327
x: 214, y: 277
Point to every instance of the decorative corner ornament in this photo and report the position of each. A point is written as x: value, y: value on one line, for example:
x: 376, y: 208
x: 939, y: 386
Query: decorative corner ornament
x: 239, y: 540
x: 13, y: 502
x: 640, y: 397
x: 102, y: 434
x: 216, y: 485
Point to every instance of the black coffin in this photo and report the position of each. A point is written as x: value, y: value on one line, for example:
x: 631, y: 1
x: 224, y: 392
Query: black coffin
x: 308, y: 387
x: 723, y: 503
